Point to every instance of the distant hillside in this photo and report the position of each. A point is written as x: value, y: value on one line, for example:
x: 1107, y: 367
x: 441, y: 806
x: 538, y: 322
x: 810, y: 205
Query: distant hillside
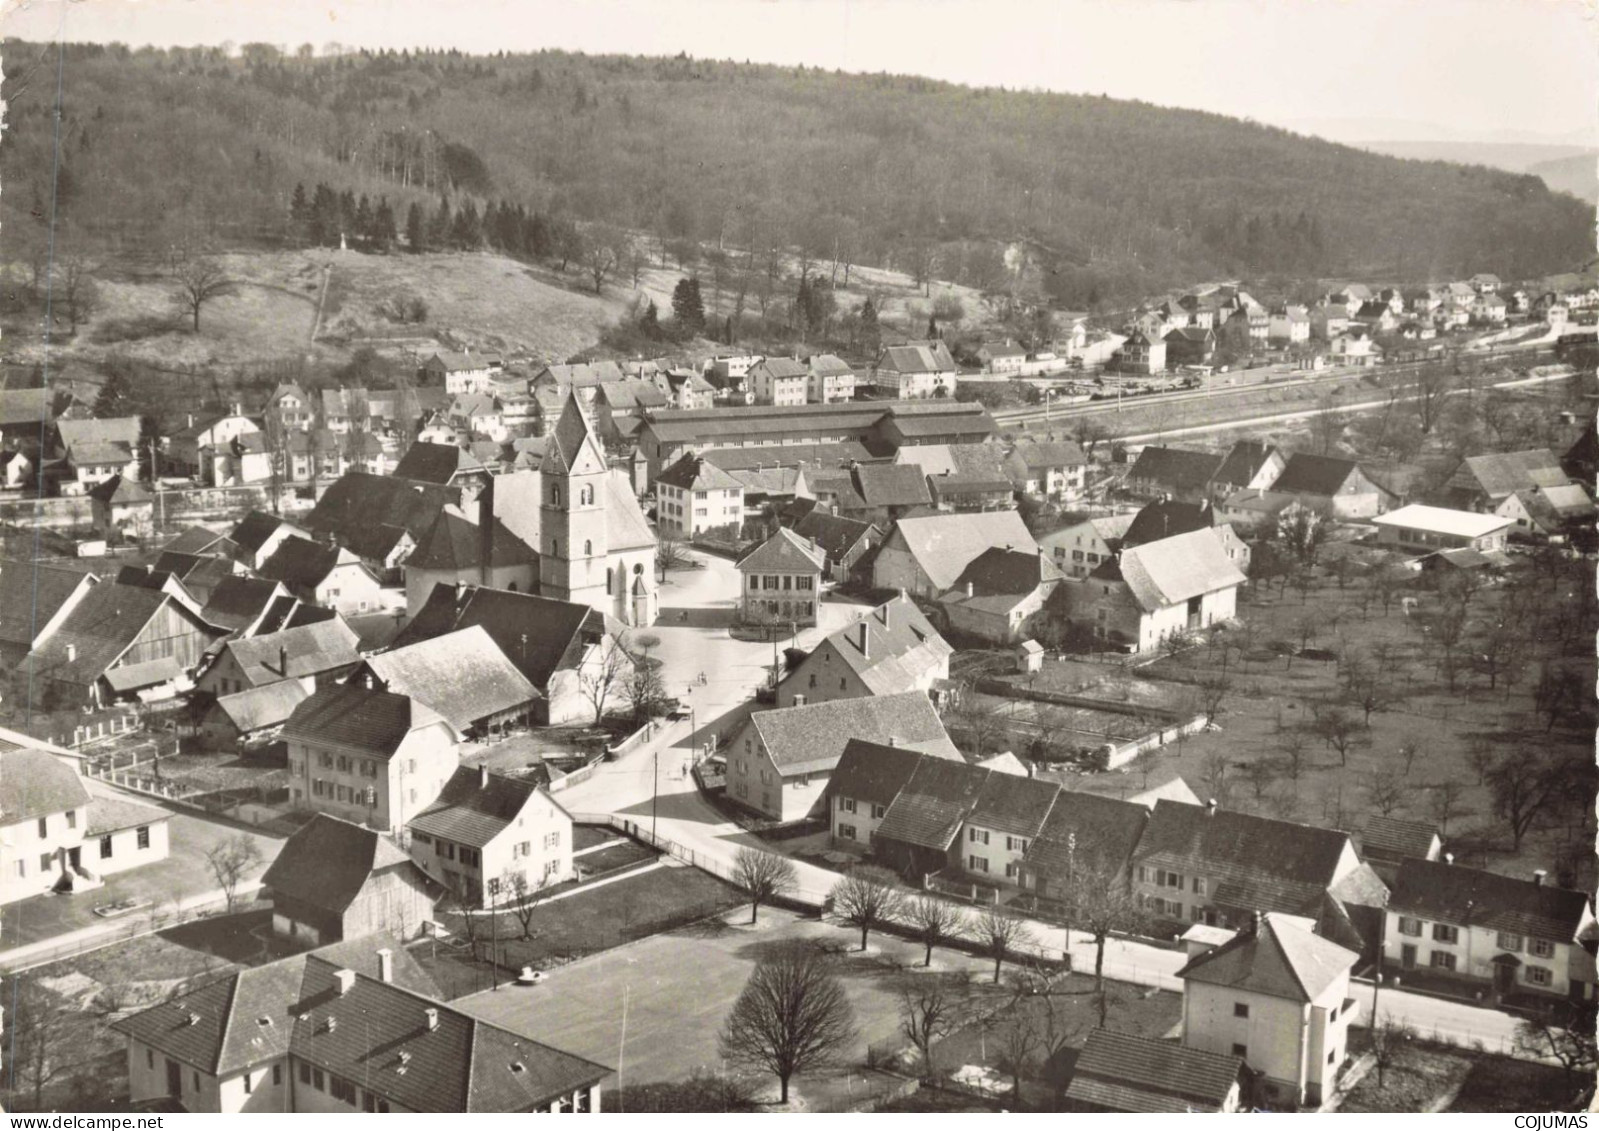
x: 1577, y: 175
x: 1513, y: 157
x: 1110, y: 199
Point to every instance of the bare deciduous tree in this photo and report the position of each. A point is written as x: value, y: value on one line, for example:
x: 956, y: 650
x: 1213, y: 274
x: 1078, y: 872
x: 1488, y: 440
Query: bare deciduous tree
x: 934, y: 920
x: 199, y: 278
x: 230, y: 860
x: 792, y: 1016
x: 762, y: 876
x: 1445, y: 803
x: 525, y: 899
x: 1390, y: 1043
x: 598, y: 681
x: 866, y: 897
x: 928, y: 1014
x: 1385, y: 790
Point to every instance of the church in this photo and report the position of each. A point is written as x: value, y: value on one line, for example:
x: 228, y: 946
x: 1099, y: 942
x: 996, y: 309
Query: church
x: 595, y: 546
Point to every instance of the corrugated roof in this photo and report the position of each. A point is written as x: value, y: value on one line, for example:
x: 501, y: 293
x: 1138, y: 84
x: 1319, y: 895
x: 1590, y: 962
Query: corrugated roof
x: 462, y: 675
x: 1276, y: 957
x: 1449, y: 893
x: 1127, y: 1073
x: 36, y: 783
x: 350, y: 715
x: 944, y: 544
x: 811, y: 738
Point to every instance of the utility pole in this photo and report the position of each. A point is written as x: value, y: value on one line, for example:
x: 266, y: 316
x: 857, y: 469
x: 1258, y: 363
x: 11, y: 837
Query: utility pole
x: 655, y: 785
x: 494, y: 920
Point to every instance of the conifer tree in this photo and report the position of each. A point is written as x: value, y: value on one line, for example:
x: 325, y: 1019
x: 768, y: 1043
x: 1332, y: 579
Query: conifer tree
x: 415, y: 236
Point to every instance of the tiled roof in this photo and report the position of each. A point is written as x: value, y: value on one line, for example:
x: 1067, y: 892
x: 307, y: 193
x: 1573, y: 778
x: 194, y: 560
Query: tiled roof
x: 836, y: 485
x: 1449, y: 893
x: 301, y: 563
x: 943, y: 545
x: 367, y: 513
x: 237, y: 601
x: 901, y: 647
x: 1396, y: 837
x: 1306, y: 474
x: 1161, y: 574
x: 124, y: 678
x: 694, y: 473
x: 1505, y: 473
x: 1004, y: 349
x: 24, y: 406
x: 36, y: 783
x: 833, y: 533
x: 1274, y: 957
x: 1262, y: 858
x: 258, y: 708
x: 537, y: 634
x: 196, y: 540
x: 924, y: 358
x: 767, y: 480
x: 1039, y: 455
x: 810, y: 738
x: 1014, y: 805
x: 1127, y: 1073
x: 434, y: 463
x: 253, y: 530
x: 120, y: 489
x: 307, y: 650
x: 376, y: 722
x: 937, y: 798
x: 788, y: 455
x: 1086, y: 830
x: 328, y: 860
x: 474, y: 806
x: 98, y: 630
x: 784, y: 552
x: 31, y: 594
x: 455, y: 543
x: 828, y: 365
x: 581, y: 375
x: 779, y: 368
x: 1011, y: 573
x: 455, y: 362
x: 462, y: 675
x: 891, y: 485
x: 1242, y: 462
x: 113, y: 814
x: 871, y: 773
x: 107, y: 430
x: 1165, y: 518
x: 1175, y: 469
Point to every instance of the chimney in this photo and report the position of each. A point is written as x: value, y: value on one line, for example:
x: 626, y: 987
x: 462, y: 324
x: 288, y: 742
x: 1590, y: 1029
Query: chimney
x: 283, y: 660
x: 431, y: 1018
x: 72, y: 652
x: 1259, y: 919
x: 969, y: 592
x: 385, y: 965
x: 1539, y: 877
x: 887, y: 619
x: 1449, y: 858
x: 1210, y: 807
x: 345, y: 979
x: 483, y: 777
x: 190, y: 418
x: 862, y: 626
x: 893, y: 740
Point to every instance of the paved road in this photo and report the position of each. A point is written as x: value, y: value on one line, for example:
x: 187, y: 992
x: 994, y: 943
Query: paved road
x: 652, y: 786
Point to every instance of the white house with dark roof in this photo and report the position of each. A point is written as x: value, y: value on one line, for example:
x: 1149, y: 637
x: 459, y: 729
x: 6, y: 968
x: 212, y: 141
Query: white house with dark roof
x: 257, y: 535
x: 694, y: 496
x: 926, y: 553
x: 461, y: 675
x: 368, y: 756
x: 462, y: 371
x: 781, y: 580
x: 1481, y: 483
x: 1078, y: 549
x: 311, y: 655
x: 864, y: 784
x: 829, y: 379
x: 1001, y: 595
x: 1055, y: 469
x: 887, y: 650
x: 780, y: 760
x: 1277, y: 996
x: 1148, y: 593
x: 486, y: 834
x: 779, y: 381
x: 916, y: 370
x: 1489, y: 934
x: 324, y: 574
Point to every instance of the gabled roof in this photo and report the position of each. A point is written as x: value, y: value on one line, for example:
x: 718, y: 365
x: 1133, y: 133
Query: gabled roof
x: 303, y: 564
x: 104, y: 430
x: 901, y: 645
x: 1127, y: 1073
x: 1017, y: 806
x: 833, y: 483
x: 1166, y: 518
x: 1175, y: 469
x: 197, y: 540
x: 784, y: 552
x: 258, y: 708
x: 25, y: 406
x: 434, y: 463
x: 462, y: 675
x: 1306, y: 474
x: 917, y: 358
x: 238, y: 601
x: 120, y: 489
x: 328, y: 860
x: 871, y: 773
x: 812, y: 738
x: 1504, y: 473
x: 1449, y: 893
x: 347, y: 714
x: 828, y: 365
x: 98, y: 630
x: 1040, y: 455
x: 456, y: 362
x: 581, y: 375
x: 767, y: 480
x: 1242, y: 463
x: 892, y: 485
x: 935, y: 801
x: 1011, y: 573
x: 369, y: 513
x: 252, y: 531
x: 1270, y: 864
x: 1396, y: 837
x: 944, y: 544
x: 36, y: 783
x: 1003, y: 349
x: 455, y: 543
x: 31, y: 594
x: 1274, y: 956
x: 1160, y: 574
x: 694, y: 473
x: 1085, y: 830
x: 537, y: 634
x: 779, y: 368
x: 571, y: 445
x: 835, y: 534
x: 309, y: 649
x: 475, y: 806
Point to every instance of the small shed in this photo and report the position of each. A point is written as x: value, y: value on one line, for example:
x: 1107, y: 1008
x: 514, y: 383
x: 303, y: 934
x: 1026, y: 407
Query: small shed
x: 1029, y: 656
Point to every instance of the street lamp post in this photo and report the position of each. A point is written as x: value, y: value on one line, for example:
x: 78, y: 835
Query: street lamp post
x: 494, y: 921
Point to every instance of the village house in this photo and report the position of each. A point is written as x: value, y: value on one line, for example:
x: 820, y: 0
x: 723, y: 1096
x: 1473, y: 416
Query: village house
x: 1328, y: 319
x: 35, y: 598
x: 1001, y: 595
x: 1148, y: 593
x: 782, y: 580
x: 1085, y: 838
x: 1248, y: 464
x: 926, y: 554
x: 269, y: 1039
x: 1387, y: 842
x: 324, y: 574
x: 843, y: 541
x: 1547, y: 512
x: 888, y: 492
x: 121, y: 506
x: 688, y: 390
x: 1123, y: 1072
x: 1178, y: 473
x: 493, y: 839
x: 335, y: 880
x: 1190, y: 345
x: 1376, y: 318
x: 868, y: 778
x: 1489, y: 934
x: 915, y: 371
x: 553, y: 643
x: 694, y: 496
x: 1078, y: 549
x: 1422, y: 528
x: 887, y: 650
x: 311, y: 655
x: 1489, y: 310
x: 462, y: 676
x: 1481, y: 483
x: 257, y: 536
x: 959, y: 477
x: 1142, y: 352
x: 1335, y: 488
x: 1276, y: 996
x: 95, y: 450
x: 196, y: 449
x: 1051, y: 469
x: 779, y: 381
x: 17, y: 470
x: 779, y: 761
x: 1354, y: 349
x: 461, y: 371
x: 829, y: 379
x: 924, y: 831
x: 1289, y: 325
x: 250, y: 718
x: 1004, y: 358
x: 291, y: 407
x: 367, y: 755
x: 457, y: 551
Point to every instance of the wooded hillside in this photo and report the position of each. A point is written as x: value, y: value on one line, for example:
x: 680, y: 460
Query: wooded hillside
x: 1108, y: 199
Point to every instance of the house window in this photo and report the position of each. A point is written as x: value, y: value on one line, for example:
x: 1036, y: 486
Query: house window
x: 878, y: 811
x: 1010, y: 871
x: 977, y: 836
x: 341, y: 1089
x: 1442, y: 960
x: 105, y: 847
x: 551, y: 840
x: 1240, y: 1009
x: 44, y: 827
x: 1444, y: 933
x: 277, y: 1075
x: 846, y: 804
x: 1199, y: 885
x: 1016, y: 843
x: 977, y: 863
x: 249, y: 1085
x: 1508, y: 941
x: 46, y: 861
x: 1541, y: 948
x: 72, y: 819
x: 1409, y: 926
x: 305, y: 1073
x: 1539, y: 976
x: 1240, y: 1050
x: 847, y: 832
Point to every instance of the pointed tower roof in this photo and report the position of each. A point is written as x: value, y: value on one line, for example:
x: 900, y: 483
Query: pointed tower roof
x: 573, y: 436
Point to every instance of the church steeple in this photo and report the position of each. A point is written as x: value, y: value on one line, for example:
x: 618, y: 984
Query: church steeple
x: 573, y: 545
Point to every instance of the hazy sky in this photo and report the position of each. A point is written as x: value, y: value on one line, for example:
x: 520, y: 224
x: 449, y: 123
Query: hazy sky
x: 1357, y: 69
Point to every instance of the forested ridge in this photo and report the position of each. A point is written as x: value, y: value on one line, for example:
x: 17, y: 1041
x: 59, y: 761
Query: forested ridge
x: 1111, y: 198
